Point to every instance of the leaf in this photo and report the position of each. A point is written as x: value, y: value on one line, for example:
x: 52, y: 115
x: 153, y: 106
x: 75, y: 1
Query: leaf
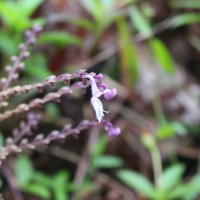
x: 7, y: 45
x: 52, y: 111
x: 60, y: 185
x: 195, y: 42
x: 138, y: 20
x: 184, y: 19
x: 171, y: 177
x: 29, y: 7
x: 23, y: 170
x: 107, y: 161
x: 59, y: 38
x: 42, y: 179
x: 185, y: 4
x: 0, y: 183
x: 38, y: 190
x: 179, y: 128
x: 159, y: 49
x: 137, y: 182
x: 37, y: 63
x: 1, y: 140
x: 100, y: 146
x: 61, y: 178
x: 165, y: 131
x: 162, y: 55
x: 128, y: 58
x: 188, y: 190
x: 94, y: 7
x: 181, y: 192
x: 84, y: 23
x: 9, y: 11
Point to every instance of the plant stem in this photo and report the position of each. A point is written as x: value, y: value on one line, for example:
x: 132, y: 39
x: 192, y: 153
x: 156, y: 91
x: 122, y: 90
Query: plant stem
x: 157, y: 164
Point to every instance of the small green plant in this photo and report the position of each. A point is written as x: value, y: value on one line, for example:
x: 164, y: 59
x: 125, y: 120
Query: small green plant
x: 41, y: 185
x: 171, y: 184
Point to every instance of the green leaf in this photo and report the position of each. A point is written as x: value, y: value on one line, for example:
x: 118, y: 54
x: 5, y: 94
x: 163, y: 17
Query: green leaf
x: 95, y: 8
x: 0, y: 183
x: 107, y: 161
x: 187, y: 191
x: 181, y: 192
x: 9, y: 11
x: 37, y: 63
x: 179, y: 128
x: 42, y: 179
x: 7, y: 45
x: 84, y: 23
x: 138, y: 20
x: 184, y: 19
x: 195, y: 188
x: 128, y: 60
x: 52, y: 111
x: 171, y: 177
x: 162, y: 55
x: 100, y: 146
x: 38, y: 190
x: 61, y: 178
x: 23, y: 170
x: 60, y: 185
x: 137, y: 182
x: 59, y: 38
x: 165, y: 131
x: 185, y: 4
x: 1, y: 140
x: 29, y: 7
x: 195, y: 42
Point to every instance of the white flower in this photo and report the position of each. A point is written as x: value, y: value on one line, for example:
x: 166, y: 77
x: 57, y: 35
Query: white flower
x: 96, y: 103
x: 98, y: 108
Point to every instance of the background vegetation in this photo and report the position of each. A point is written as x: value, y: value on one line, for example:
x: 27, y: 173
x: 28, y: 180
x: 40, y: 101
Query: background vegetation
x: 150, y: 52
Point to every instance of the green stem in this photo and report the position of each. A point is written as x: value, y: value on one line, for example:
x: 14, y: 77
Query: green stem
x: 157, y: 164
x: 158, y: 109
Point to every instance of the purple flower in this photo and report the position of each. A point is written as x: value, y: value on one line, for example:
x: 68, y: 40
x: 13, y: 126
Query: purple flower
x: 110, y: 129
x: 96, y: 103
x: 103, y: 86
x: 110, y: 94
x: 98, y: 78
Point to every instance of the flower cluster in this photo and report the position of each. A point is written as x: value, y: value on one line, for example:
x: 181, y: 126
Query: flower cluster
x: 20, y: 139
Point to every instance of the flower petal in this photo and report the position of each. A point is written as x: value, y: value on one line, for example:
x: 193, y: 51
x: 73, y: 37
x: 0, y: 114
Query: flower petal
x: 110, y: 94
x: 95, y: 91
x: 98, y: 107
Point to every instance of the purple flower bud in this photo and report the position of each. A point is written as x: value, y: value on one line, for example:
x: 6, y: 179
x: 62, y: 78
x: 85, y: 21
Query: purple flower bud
x: 22, y: 47
x: 111, y: 130
x: 103, y: 86
x: 37, y: 29
x: 26, y: 55
x: 53, y: 135
x: 80, y: 72
x: 14, y: 59
x: 114, y: 132
x: 98, y: 78
x: 110, y: 94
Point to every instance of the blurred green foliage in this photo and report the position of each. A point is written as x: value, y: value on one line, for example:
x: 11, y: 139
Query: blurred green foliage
x: 38, y: 183
x: 170, y: 182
